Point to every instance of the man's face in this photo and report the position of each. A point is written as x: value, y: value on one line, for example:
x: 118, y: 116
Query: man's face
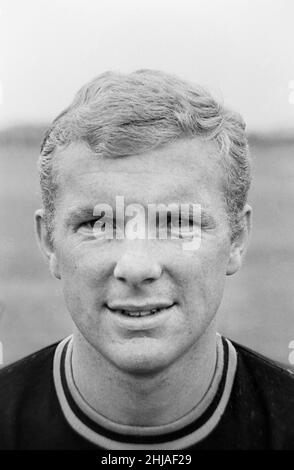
x: 101, y: 276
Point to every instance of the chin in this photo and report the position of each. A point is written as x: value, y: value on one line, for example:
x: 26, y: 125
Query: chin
x: 140, y: 367
x: 140, y: 362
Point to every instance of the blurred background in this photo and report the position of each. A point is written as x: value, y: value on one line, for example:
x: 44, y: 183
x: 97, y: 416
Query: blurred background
x: 241, y: 50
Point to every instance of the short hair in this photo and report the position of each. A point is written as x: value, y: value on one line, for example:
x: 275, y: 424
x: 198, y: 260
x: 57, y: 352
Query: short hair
x: 125, y: 114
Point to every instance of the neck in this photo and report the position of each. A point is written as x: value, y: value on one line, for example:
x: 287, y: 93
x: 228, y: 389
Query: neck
x: 138, y: 400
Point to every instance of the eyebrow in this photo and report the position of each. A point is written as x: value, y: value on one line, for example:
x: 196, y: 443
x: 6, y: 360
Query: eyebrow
x: 204, y: 213
x: 77, y: 213
x: 205, y: 217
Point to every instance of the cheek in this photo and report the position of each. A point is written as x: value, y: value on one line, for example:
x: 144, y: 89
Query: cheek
x: 84, y: 279
x: 204, y: 264
x: 202, y: 278
x: 86, y: 267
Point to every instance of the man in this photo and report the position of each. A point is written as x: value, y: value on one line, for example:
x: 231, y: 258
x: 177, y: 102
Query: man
x: 145, y: 367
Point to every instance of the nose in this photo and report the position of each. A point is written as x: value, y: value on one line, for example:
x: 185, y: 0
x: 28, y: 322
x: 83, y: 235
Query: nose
x: 137, y: 265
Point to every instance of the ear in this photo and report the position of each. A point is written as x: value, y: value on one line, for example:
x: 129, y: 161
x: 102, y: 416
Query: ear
x: 45, y: 243
x: 239, y: 245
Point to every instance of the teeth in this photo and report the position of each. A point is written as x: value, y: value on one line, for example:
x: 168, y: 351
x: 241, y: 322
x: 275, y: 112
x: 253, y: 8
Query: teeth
x: 139, y: 313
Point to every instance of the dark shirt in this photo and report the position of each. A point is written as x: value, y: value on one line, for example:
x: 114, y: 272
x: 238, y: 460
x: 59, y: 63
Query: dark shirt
x: 259, y: 411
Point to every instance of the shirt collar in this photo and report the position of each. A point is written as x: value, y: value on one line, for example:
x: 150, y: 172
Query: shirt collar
x: 180, y: 434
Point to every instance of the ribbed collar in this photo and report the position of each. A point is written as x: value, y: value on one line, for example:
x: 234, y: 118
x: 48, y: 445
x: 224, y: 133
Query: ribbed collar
x: 180, y: 434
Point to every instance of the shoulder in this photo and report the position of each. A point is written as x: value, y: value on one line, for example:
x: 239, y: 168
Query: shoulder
x: 265, y: 371
x: 24, y: 385
x: 264, y: 388
x: 18, y: 374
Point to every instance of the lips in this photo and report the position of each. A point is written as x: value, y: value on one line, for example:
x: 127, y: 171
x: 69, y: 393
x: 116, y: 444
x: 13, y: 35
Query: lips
x: 139, y: 311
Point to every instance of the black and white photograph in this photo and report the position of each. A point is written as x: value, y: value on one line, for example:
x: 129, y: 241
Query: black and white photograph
x: 147, y: 221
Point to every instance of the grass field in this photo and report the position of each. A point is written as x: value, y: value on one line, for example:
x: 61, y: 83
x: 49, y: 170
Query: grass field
x: 258, y: 306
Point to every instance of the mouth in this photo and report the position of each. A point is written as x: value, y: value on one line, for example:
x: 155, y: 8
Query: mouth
x: 140, y: 311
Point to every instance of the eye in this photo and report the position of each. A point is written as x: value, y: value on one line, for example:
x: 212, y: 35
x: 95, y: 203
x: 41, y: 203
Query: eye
x: 187, y: 224
x: 99, y: 227
x: 90, y: 224
x: 180, y: 226
x: 191, y: 223
x: 188, y: 228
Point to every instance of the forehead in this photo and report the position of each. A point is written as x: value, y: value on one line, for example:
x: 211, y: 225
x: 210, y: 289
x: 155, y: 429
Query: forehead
x: 188, y: 170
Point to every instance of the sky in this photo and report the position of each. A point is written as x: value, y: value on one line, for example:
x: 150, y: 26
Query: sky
x: 242, y: 50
